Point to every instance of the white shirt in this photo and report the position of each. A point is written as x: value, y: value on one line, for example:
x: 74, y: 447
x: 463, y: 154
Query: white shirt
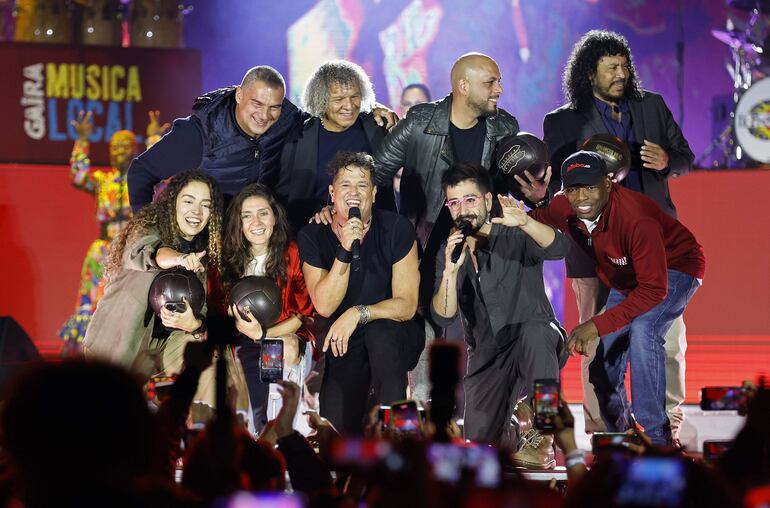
x: 591, y: 224
x: 256, y: 266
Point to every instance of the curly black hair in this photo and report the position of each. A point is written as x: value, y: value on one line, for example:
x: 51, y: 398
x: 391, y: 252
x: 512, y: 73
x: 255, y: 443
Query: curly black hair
x: 160, y: 216
x: 582, y: 65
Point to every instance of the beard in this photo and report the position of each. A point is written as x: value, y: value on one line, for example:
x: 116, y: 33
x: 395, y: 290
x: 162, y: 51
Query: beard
x: 482, y: 107
x: 606, y: 96
x: 477, y: 221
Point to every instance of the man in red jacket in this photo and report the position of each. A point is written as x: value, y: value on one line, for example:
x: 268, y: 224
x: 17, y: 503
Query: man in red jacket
x: 653, y: 264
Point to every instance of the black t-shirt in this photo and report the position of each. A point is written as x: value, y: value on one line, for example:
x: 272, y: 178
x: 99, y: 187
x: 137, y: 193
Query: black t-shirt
x: 468, y: 144
x: 329, y: 143
x: 388, y: 241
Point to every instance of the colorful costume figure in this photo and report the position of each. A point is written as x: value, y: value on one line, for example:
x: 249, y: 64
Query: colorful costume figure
x: 112, y: 210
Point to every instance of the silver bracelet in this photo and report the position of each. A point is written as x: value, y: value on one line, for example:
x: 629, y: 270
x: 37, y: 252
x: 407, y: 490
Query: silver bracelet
x: 364, y: 314
x: 574, y: 458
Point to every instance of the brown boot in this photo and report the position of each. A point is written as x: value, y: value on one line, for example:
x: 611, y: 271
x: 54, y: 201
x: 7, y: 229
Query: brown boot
x: 535, y: 448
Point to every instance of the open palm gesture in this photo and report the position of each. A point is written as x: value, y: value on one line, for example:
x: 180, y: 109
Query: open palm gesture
x: 514, y: 214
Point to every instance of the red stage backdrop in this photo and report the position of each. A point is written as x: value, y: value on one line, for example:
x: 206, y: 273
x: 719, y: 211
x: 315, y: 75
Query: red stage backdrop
x: 45, y: 86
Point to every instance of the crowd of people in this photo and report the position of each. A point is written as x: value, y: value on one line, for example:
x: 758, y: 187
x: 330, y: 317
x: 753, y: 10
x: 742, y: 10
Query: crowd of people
x: 379, y: 234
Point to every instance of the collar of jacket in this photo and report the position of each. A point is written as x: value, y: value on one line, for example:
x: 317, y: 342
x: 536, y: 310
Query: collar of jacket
x: 225, y: 97
x: 439, y: 122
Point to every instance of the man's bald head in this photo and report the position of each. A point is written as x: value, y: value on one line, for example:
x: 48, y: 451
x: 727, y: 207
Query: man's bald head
x: 476, y: 83
x: 468, y: 64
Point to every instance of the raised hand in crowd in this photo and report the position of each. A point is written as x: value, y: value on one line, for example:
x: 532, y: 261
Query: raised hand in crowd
x: 154, y: 128
x: 83, y: 125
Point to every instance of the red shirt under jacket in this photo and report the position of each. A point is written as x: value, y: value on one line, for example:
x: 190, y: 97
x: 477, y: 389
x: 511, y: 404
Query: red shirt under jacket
x: 634, y: 244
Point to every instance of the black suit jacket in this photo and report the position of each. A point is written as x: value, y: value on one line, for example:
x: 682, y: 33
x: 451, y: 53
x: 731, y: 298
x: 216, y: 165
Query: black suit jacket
x: 565, y: 129
x: 299, y: 160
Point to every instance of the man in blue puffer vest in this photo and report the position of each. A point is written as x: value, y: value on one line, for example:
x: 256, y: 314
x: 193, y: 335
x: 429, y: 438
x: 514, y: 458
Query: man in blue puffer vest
x: 235, y: 134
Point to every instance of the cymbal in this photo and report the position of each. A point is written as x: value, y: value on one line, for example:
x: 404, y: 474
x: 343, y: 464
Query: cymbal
x: 736, y: 40
x: 750, y: 5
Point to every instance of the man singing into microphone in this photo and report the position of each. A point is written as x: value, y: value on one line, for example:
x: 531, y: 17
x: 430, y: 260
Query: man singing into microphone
x: 361, y: 273
x: 496, y: 283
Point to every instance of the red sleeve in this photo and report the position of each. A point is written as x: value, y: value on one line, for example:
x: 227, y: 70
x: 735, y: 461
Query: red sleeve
x: 648, y: 255
x: 296, y: 299
x: 555, y: 214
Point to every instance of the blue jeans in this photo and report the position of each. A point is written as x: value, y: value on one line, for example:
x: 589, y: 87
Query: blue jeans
x: 642, y: 344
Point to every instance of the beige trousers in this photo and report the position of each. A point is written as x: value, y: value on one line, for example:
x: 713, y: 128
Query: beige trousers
x: 588, y: 292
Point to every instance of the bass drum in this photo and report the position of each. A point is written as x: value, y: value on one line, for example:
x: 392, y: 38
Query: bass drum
x: 752, y: 121
x: 44, y: 21
x: 157, y: 24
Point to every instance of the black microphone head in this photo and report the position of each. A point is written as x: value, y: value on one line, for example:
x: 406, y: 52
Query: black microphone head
x: 465, y: 226
x: 354, y: 213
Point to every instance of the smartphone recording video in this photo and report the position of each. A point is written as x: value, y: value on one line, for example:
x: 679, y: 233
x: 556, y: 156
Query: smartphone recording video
x: 653, y: 481
x: 271, y: 361
x: 451, y: 461
x: 351, y: 453
x: 723, y: 398
x: 383, y: 416
x: 264, y: 500
x: 713, y: 449
x: 546, y: 403
x: 612, y: 440
x: 405, y: 417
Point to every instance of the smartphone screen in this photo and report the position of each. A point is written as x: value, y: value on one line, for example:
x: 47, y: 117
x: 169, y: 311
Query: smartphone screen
x: 358, y: 453
x: 404, y: 417
x: 271, y: 361
x: 264, y: 500
x: 603, y: 440
x: 450, y: 460
x: 653, y: 481
x: 383, y: 416
x: 722, y: 398
x: 713, y: 449
x: 546, y: 402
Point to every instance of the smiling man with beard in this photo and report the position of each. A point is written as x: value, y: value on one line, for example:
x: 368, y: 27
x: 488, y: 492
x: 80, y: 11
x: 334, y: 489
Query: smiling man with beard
x: 605, y: 96
x: 464, y: 126
x: 511, y: 332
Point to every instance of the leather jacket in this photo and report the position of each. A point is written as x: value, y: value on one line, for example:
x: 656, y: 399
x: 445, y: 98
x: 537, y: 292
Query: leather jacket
x: 420, y: 143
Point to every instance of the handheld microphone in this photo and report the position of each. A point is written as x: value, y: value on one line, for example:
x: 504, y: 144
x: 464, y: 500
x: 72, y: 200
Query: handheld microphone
x: 355, y: 262
x: 466, y: 228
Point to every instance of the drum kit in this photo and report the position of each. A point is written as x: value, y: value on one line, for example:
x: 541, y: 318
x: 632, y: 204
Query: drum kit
x: 745, y: 142
x: 138, y: 23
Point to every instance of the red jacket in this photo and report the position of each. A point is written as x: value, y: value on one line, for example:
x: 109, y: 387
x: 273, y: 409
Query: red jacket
x: 294, y: 296
x: 296, y: 299
x: 634, y: 243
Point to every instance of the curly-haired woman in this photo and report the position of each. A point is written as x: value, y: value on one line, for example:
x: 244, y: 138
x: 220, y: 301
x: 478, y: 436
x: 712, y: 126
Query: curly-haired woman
x: 182, y: 228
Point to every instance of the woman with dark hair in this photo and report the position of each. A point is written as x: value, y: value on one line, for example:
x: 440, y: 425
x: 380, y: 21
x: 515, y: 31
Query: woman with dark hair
x: 182, y: 228
x: 257, y: 242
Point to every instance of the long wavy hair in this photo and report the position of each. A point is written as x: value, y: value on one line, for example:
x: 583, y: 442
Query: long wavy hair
x: 160, y: 217
x: 315, y: 96
x: 237, y: 250
x: 582, y: 65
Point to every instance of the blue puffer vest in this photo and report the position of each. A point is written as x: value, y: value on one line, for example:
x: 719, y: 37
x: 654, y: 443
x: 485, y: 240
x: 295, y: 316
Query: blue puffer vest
x: 232, y: 157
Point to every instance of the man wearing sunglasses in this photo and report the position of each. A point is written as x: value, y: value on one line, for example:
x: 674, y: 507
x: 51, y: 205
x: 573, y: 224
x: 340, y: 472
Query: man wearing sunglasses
x: 511, y: 331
